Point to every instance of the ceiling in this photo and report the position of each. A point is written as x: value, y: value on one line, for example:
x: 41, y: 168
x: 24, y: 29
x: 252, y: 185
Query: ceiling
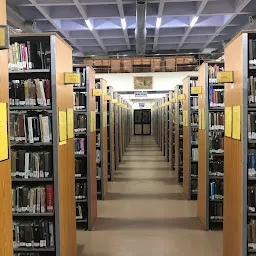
x: 218, y: 21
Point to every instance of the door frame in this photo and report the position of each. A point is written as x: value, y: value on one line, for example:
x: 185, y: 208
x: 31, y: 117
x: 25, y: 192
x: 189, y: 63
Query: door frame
x: 148, y: 110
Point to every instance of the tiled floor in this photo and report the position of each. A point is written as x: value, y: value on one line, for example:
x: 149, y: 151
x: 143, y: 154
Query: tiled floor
x: 146, y: 214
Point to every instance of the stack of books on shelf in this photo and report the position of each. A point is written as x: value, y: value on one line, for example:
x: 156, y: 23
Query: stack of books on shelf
x: 216, y: 97
x: 38, y: 199
x: 79, y: 100
x: 33, y: 234
x: 30, y: 127
x: 252, y: 52
x: 216, y: 212
x: 29, y: 55
x: 194, y: 154
x: 194, y: 138
x: 80, y: 123
x: 81, y: 71
x: 216, y: 190
x: 31, y: 92
x: 216, y: 121
x: 79, y: 146
x: 27, y: 164
x: 80, y: 171
x: 252, y: 125
x: 216, y: 168
x: 194, y: 119
x: 194, y: 103
x: 212, y: 73
x: 216, y: 143
x: 81, y: 189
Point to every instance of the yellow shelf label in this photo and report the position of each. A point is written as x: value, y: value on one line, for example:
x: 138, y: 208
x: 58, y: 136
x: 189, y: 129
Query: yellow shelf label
x: 200, y: 118
x: 62, y: 126
x: 225, y: 77
x: 196, y: 90
x: 236, y: 123
x: 107, y: 97
x: 96, y: 92
x: 114, y: 101
x: 182, y: 97
x: 4, y: 148
x: 72, y: 78
x: 172, y: 100
x: 228, y: 121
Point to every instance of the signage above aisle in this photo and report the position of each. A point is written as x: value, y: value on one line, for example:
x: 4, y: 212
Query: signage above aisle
x: 140, y: 94
x: 141, y: 105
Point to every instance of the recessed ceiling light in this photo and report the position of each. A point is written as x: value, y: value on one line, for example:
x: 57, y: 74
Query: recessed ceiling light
x: 158, y: 22
x: 193, y: 22
x: 123, y: 22
x: 89, y: 24
x: 19, y: 30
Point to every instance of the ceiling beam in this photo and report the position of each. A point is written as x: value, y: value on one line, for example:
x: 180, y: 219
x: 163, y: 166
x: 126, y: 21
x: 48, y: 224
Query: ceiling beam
x: 238, y: 9
x: 121, y: 12
x: 159, y: 15
x: 47, y: 16
x: 198, y: 13
x: 85, y: 17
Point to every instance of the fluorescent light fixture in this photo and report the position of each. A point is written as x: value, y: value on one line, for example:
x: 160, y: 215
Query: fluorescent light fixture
x: 158, y: 22
x: 18, y: 30
x: 89, y: 24
x: 123, y: 22
x: 193, y: 22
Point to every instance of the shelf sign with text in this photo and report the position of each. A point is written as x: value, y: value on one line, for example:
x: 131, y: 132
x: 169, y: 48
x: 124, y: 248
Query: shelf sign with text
x: 225, y: 77
x: 72, y: 78
x: 4, y: 37
x: 141, y: 94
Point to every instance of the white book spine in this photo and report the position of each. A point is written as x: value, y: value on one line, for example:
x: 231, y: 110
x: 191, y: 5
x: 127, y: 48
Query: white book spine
x: 30, y: 130
x: 43, y: 200
x: 45, y: 133
x: 27, y: 165
x: 42, y: 93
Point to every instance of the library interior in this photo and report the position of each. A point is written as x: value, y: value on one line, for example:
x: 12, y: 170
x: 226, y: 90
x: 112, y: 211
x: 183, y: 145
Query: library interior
x: 127, y: 127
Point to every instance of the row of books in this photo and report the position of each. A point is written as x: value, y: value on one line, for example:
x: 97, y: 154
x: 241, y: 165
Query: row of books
x: 194, y: 186
x: 81, y: 212
x: 80, y: 191
x: 252, y: 52
x: 216, y: 143
x: 80, y: 168
x: 31, y: 92
x: 193, y: 83
x: 251, y: 195
x: 194, y: 119
x: 216, y: 121
x: 79, y: 146
x: 33, y: 234
x: 31, y: 128
x: 98, y: 156
x: 38, y: 199
x: 28, y: 55
x: 194, y: 103
x: 252, y: 89
x: 216, y: 97
x: 216, y: 190
x: 251, y: 234
x: 216, y: 211
x: 98, y: 139
x: 194, y: 154
x: 80, y: 122
x: 194, y: 138
x: 216, y: 168
x: 26, y: 254
x: 252, y: 125
x: 79, y: 100
x: 26, y: 164
x: 212, y: 73
x: 251, y: 162
x: 82, y: 71
x: 194, y: 170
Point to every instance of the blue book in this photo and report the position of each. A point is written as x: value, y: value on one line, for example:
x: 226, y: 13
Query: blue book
x: 212, y: 190
x: 210, y: 96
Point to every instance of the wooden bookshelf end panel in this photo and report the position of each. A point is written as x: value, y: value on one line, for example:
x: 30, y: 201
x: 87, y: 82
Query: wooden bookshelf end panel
x: 233, y: 187
x: 66, y: 170
x: 5, y: 173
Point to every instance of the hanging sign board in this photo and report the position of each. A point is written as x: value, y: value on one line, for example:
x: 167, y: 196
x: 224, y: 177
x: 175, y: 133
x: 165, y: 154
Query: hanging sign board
x: 141, y: 94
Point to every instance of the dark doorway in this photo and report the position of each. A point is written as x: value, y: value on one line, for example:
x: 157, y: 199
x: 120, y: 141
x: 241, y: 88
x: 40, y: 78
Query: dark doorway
x: 142, y: 122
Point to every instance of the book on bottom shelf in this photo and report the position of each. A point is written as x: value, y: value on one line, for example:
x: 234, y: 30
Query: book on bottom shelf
x: 80, y: 192
x: 33, y: 234
x: 81, y: 212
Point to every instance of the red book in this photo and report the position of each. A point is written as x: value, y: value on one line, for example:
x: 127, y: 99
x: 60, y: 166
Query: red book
x: 48, y: 92
x: 213, y: 96
x: 49, y: 198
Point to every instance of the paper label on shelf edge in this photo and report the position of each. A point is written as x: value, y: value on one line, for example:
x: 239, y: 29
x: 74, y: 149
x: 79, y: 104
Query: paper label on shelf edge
x: 96, y: 92
x: 228, y: 121
x: 72, y: 78
x: 196, y: 90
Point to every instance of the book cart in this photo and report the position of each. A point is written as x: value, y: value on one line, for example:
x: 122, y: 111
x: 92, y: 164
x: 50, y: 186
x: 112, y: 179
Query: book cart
x: 85, y: 151
x: 190, y: 137
x: 210, y: 146
x: 42, y: 145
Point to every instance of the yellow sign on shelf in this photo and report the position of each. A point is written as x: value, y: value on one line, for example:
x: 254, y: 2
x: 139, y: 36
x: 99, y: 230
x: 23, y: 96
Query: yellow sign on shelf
x: 107, y: 97
x: 236, y: 123
x: 200, y: 119
x: 4, y: 148
x: 228, y: 121
x: 96, y: 92
x: 92, y: 123
x: 72, y: 78
x: 4, y: 37
x: 70, y: 122
x: 203, y: 119
x: 196, y: 90
x: 62, y: 126
x: 225, y: 77
x: 114, y: 101
x: 62, y: 142
x: 172, y: 100
x: 182, y: 97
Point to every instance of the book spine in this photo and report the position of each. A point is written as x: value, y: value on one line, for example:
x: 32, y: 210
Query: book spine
x: 49, y: 198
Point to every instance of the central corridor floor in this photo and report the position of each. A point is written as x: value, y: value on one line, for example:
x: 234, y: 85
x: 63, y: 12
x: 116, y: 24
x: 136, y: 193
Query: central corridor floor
x: 146, y: 213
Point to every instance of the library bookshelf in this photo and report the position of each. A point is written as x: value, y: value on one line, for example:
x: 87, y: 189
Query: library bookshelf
x: 239, y: 166
x: 120, y: 127
x: 167, y: 128
x: 172, y: 130
x: 85, y: 161
x: 6, y: 246
x: 211, y: 147
x: 110, y: 132
x: 116, y: 131
x: 101, y: 139
x: 190, y: 135
x: 163, y: 116
x: 179, y: 133
x: 55, y: 183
